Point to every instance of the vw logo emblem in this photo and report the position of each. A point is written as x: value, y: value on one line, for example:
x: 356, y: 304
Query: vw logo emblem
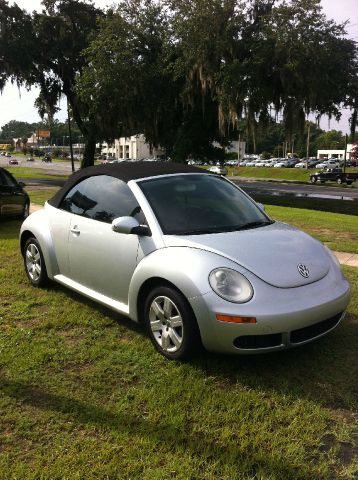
x: 303, y: 270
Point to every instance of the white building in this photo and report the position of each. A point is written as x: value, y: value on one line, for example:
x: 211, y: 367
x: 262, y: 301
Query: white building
x: 134, y: 147
x: 321, y: 154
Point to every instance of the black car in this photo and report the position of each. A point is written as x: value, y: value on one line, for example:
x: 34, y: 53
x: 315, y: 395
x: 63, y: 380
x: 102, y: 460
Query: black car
x: 14, y: 201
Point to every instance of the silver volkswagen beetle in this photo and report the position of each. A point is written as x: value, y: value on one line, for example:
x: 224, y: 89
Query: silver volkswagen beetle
x: 189, y: 254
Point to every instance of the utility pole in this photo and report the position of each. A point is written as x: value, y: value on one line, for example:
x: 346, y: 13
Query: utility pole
x: 308, y: 143
x: 345, y: 153
x: 70, y: 135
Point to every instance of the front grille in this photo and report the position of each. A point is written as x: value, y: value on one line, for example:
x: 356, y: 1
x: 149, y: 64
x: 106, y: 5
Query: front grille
x: 258, y: 341
x: 307, y: 333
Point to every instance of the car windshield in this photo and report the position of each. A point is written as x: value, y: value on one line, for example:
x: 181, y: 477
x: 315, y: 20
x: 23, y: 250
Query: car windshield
x: 195, y: 204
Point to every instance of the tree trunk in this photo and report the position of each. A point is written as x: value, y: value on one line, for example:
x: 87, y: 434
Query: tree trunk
x: 88, y: 155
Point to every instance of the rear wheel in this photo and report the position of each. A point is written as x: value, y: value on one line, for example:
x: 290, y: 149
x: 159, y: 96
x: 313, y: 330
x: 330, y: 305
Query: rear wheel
x: 313, y: 179
x: 171, y: 324
x: 339, y: 181
x: 34, y: 263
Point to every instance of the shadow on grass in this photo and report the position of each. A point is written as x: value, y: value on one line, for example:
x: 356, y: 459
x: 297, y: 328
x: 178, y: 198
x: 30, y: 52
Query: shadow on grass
x: 324, y: 371
x: 166, y: 436
x: 10, y: 228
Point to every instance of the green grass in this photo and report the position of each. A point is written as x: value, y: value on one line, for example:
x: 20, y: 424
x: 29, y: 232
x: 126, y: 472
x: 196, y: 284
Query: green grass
x: 28, y: 172
x: 84, y: 395
x: 339, y: 232
x: 40, y: 195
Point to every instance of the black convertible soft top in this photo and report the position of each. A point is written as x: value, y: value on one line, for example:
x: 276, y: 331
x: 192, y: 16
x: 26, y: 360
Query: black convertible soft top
x: 125, y: 171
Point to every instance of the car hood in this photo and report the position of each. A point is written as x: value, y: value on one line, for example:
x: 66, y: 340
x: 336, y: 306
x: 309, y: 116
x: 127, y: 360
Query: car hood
x: 273, y: 253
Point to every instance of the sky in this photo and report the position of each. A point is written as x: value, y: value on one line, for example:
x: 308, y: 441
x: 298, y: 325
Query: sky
x: 18, y: 104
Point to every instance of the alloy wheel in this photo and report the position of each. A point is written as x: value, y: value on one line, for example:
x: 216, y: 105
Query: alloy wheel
x: 166, y: 324
x: 33, y: 262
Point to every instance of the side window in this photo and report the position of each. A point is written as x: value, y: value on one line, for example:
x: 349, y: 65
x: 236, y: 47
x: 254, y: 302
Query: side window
x: 7, y: 179
x: 102, y: 198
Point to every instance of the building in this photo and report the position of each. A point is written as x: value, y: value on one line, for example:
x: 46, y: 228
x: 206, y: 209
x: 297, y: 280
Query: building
x: 339, y: 154
x: 134, y: 148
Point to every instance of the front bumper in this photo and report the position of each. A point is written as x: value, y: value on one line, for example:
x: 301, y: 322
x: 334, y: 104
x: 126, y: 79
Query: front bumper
x: 285, y: 317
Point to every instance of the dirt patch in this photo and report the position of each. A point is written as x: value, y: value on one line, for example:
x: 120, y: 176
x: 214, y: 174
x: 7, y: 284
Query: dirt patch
x: 337, y: 234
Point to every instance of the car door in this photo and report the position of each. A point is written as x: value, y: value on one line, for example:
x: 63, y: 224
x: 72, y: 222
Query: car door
x: 99, y: 258
x: 12, y: 196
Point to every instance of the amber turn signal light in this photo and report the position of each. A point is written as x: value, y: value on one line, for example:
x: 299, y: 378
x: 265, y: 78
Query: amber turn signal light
x: 234, y: 319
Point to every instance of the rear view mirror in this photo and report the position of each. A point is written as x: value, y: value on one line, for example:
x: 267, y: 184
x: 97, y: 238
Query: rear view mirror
x: 129, y: 225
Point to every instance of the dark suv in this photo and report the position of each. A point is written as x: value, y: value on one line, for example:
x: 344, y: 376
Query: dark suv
x: 14, y: 201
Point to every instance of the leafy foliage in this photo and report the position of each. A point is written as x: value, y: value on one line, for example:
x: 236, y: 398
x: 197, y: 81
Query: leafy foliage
x: 44, y: 49
x: 183, y: 72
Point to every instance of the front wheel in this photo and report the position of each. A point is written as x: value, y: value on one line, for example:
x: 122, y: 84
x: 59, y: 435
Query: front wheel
x: 313, y: 179
x: 339, y: 181
x: 34, y: 263
x: 171, y: 324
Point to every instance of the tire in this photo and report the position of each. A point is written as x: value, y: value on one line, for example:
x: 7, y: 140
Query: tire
x: 349, y: 183
x: 35, y: 267
x: 171, y: 324
x: 313, y: 179
x: 339, y: 181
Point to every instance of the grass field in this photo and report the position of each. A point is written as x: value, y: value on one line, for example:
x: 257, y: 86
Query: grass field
x: 85, y: 396
x: 338, y: 231
x: 28, y: 172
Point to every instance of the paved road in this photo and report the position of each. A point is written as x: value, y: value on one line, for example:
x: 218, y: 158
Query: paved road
x: 256, y: 186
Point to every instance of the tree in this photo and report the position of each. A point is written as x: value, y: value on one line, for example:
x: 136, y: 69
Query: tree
x: 187, y: 78
x: 45, y: 49
x: 332, y: 140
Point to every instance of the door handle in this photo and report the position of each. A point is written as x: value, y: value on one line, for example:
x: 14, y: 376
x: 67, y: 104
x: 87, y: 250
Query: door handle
x: 75, y: 230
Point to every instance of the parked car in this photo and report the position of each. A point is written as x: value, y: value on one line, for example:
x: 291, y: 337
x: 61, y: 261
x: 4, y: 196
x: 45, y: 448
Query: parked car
x: 310, y: 163
x: 282, y: 164
x: 13, y: 161
x: 260, y: 163
x: 334, y: 175
x: 270, y: 163
x: 14, y: 201
x: 180, y: 249
x: 251, y: 163
x: 218, y: 169
x: 329, y: 164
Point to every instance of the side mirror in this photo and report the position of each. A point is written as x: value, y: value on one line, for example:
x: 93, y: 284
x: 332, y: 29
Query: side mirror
x: 129, y: 225
x: 22, y: 184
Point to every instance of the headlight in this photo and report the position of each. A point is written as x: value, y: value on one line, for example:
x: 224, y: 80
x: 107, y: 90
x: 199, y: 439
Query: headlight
x: 230, y: 285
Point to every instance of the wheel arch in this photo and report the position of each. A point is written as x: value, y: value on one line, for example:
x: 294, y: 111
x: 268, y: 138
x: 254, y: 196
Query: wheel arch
x: 147, y: 287
x: 36, y: 226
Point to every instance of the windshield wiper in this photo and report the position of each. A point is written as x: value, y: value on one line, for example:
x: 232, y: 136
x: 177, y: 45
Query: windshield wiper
x: 200, y: 231
x: 249, y: 225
